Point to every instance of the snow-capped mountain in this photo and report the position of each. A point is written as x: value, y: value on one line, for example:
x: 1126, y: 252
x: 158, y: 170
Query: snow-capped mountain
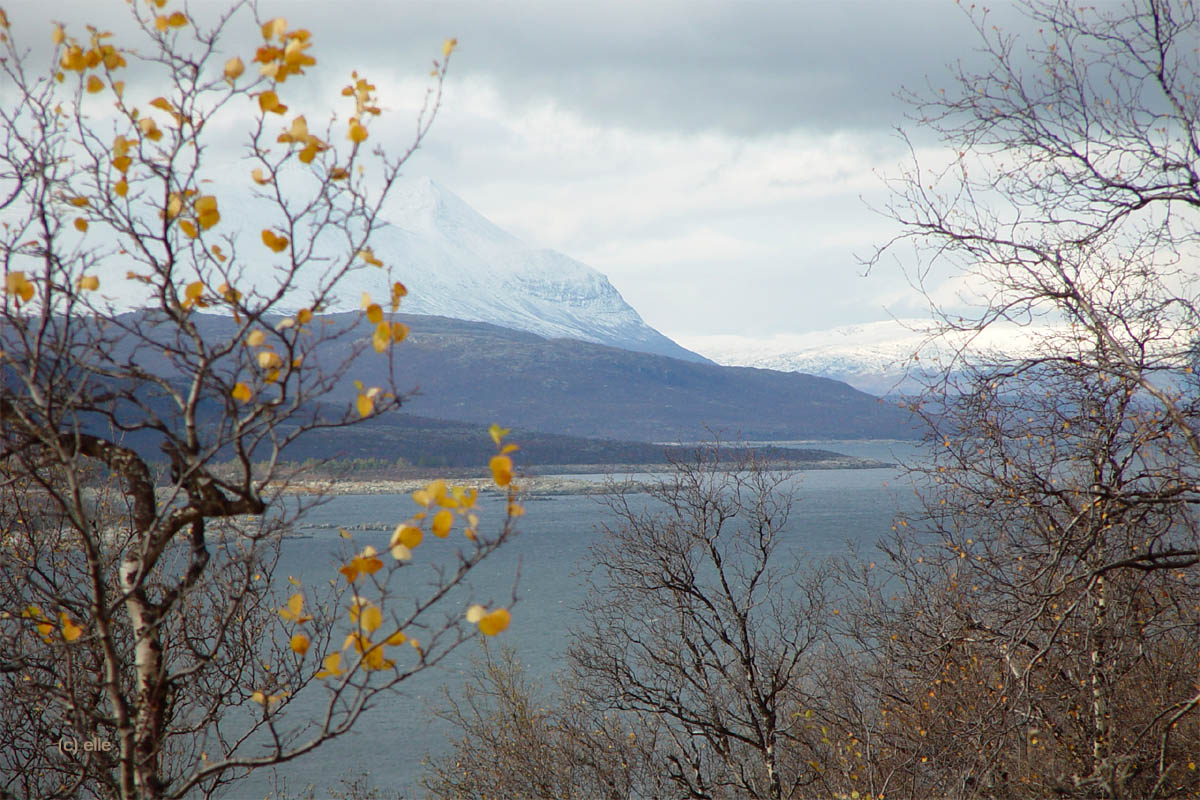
x: 875, y: 357
x: 455, y: 263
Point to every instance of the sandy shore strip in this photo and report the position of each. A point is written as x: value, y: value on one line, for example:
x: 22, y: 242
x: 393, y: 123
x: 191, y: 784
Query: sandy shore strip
x: 533, y: 486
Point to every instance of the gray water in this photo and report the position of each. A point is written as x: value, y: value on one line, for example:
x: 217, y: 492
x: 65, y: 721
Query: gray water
x: 835, y: 507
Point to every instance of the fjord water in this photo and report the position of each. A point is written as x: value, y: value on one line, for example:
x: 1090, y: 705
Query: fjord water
x: 834, y: 508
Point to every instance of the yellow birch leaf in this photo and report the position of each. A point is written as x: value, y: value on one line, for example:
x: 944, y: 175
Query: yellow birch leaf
x: 370, y: 619
x: 331, y: 667
x: 258, y: 176
x: 121, y: 188
x: 274, y: 28
x: 299, y: 129
x: 442, y: 522
x: 206, y: 211
x: 256, y: 338
x: 494, y: 622
x: 234, y: 68
x: 475, y: 613
x: 269, y: 360
x: 275, y: 242
x: 357, y: 132
x: 81, y: 224
x: 268, y: 101
x: 241, y: 392
x: 365, y: 405
x: 448, y: 47
x: 397, y: 638
x: 57, y: 35
x: 409, y: 536
x: 299, y: 643
x: 374, y: 660
x: 149, y: 129
x: 94, y: 84
x: 188, y: 228
x: 502, y: 467
x: 374, y: 313
x: 497, y: 433
x: 88, y: 283
x: 70, y: 630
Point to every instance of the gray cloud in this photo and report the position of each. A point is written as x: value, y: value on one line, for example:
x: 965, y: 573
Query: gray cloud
x: 742, y: 67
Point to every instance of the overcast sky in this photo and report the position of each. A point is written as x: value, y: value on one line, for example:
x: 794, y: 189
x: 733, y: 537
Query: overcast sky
x: 715, y: 159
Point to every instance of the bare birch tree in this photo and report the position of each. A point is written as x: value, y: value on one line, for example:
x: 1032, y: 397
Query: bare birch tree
x: 1042, y: 637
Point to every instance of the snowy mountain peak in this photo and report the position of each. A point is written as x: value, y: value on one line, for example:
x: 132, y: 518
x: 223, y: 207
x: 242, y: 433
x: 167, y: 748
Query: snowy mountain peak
x: 422, y: 205
x: 456, y: 263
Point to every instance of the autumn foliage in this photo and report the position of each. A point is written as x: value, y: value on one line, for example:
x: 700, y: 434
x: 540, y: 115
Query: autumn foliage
x: 144, y: 499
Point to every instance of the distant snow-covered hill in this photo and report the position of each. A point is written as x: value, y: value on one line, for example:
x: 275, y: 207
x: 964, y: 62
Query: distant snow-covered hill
x: 454, y: 262
x: 458, y: 264
x: 875, y: 357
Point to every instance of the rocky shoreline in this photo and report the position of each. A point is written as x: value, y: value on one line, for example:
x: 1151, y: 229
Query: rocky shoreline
x: 534, y: 486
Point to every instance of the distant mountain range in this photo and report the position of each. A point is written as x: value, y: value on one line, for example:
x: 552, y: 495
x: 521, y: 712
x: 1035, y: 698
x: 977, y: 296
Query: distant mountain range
x: 885, y: 357
x: 537, y: 341
x: 479, y: 373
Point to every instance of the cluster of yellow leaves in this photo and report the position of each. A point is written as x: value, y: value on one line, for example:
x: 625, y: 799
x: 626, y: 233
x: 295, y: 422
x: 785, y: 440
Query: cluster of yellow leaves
x: 288, y: 57
x: 490, y: 622
x: 298, y: 134
x: 45, y: 627
x: 193, y: 296
x: 364, y: 104
x: 440, y: 504
x: 264, y: 699
x: 165, y: 22
x: 365, y: 402
x: 365, y: 617
x: 98, y: 55
x: 501, y: 463
x: 15, y: 283
x: 294, y: 612
x: 206, y: 216
x: 386, y: 332
x: 267, y: 359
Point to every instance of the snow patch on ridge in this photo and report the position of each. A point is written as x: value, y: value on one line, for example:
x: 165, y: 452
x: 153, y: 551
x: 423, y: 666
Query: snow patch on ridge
x: 876, y: 357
